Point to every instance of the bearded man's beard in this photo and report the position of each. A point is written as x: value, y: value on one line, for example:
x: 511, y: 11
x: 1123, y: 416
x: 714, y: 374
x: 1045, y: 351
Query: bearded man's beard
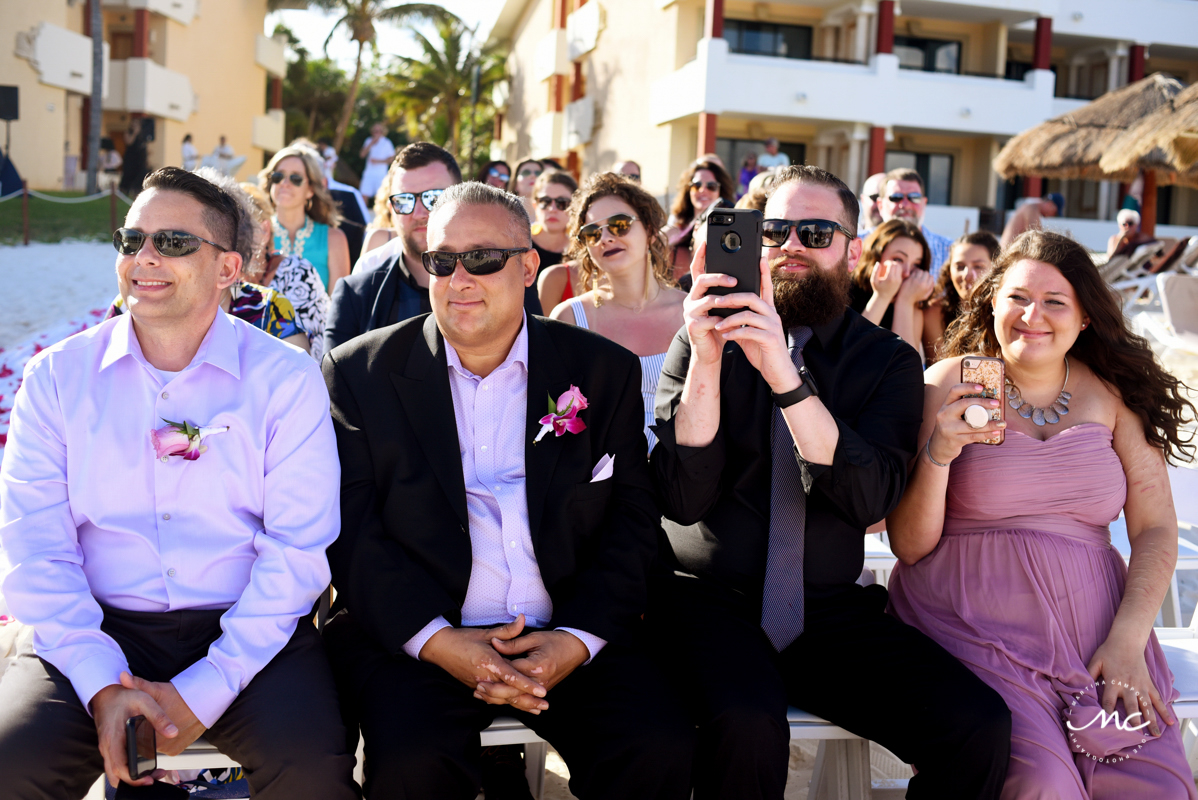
x: 815, y: 298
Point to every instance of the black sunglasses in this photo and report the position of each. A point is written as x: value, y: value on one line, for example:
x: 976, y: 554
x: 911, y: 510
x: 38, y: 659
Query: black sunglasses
x: 711, y: 186
x: 873, y: 198
x: 562, y: 203
x: 405, y: 202
x: 530, y: 172
x: 477, y: 262
x: 295, y: 178
x: 618, y: 224
x: 172, y: 244
x: 815, y: 234
x: 914, y: 197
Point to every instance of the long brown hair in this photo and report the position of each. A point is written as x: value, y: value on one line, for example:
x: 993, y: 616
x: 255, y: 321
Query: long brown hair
x: 1120, y: 359
x: 683, y: 209
x: 647, y: 210
x: 321, y: 206
x: 945, y: 289
x: 877, y: 242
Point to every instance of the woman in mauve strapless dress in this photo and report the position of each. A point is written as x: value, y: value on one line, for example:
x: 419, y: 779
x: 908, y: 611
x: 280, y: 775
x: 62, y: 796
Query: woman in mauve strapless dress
x: 1006, y: 556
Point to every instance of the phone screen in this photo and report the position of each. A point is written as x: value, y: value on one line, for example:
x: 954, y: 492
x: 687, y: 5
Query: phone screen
x: 141, y: 745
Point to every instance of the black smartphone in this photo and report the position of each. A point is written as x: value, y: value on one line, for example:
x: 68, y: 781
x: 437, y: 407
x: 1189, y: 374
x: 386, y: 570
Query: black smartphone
x: 141, y: 747
x: 734, y: 248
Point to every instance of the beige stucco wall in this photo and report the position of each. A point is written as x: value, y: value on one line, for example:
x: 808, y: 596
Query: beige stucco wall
x: 215, y: 51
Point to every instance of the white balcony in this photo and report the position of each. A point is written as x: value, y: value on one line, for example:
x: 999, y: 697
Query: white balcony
x: 141, y: 85
x: 182, y: 11
x: 552, y: 56
x: 545, y: 135
x: 1171, y: 22
x: 61, y: 57
x: 879, y: 93
x: 580, y: 122
x: 271, y: 55
x: 583, y: 28
x: 268, y: 132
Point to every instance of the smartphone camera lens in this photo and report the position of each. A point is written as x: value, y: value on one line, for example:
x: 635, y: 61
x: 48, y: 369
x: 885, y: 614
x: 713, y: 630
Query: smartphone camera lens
x: 730, y: 241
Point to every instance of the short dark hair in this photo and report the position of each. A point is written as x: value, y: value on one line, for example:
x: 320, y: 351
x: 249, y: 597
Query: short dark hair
x: 549, y: 176
x: 904, y: 174
x: 818, y: 176
x: 222, y: 212
x: 421, y: 154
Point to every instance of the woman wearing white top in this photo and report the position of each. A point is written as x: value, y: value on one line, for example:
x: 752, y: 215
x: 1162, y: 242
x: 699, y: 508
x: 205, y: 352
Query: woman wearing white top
x: 191, y: 156
x: 378, y: 152
x: 614, y: 226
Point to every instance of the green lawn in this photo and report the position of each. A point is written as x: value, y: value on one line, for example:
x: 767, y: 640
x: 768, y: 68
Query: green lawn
x: 53, y: 222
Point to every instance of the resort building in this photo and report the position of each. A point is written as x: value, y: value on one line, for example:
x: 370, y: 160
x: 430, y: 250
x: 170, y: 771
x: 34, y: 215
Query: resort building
x: 857, y: 87
x: 191, y: 67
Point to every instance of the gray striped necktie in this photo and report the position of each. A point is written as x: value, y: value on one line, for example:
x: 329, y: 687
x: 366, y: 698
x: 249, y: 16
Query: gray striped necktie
x: 782, y: 602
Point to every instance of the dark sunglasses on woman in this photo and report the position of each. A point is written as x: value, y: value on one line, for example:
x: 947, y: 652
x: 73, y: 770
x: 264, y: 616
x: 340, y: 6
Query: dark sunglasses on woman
x: 531, y: 172
x: 442, y: 263
x: 405, y: 202
x: 562, y: 203
x: 618, y: 224
x: 296, y: 178
x: 172, y: 244
x: 815, y: 234
x: 710, y: 186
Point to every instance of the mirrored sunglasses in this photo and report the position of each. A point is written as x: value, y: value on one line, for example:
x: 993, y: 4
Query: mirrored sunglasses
x: 562, y: 203
x: 618, y: 224
x: 442, y: 263
x: 898, y: 197
x: 172, y: 244
x: 497, y: 173
x: 296, y: 178
x: 405, y: 202
x: 815, y: 234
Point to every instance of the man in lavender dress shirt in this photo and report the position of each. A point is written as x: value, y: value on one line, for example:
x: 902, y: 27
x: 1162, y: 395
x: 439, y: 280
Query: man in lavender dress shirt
x: 155, y: 585
x: 484, y: 572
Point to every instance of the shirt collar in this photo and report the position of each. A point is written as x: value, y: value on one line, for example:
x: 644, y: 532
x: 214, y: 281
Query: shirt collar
x: 218, y: 348
x: 517, y: 355
x: 824, y: 333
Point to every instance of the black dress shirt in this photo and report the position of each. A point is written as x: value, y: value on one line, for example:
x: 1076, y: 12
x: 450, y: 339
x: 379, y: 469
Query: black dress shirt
x: 716, y: 499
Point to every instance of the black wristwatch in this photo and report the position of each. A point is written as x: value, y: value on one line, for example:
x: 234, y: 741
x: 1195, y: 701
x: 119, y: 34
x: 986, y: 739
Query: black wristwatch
x: 807, y: 388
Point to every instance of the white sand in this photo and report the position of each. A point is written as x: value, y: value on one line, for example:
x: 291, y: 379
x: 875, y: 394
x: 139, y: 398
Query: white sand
x: 50, y: 283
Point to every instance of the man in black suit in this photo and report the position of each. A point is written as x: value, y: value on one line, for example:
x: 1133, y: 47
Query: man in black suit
x: 489, y: 563
x: 388, y: 285
x: 785, y: 431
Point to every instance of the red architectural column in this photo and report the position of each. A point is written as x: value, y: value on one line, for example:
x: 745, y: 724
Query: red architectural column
x: 1032, y: 185
x: 1148, y: 208
x: 877, y: 150
x: 557, y: 88
x: 1042, y: 44
x: 577, y: 87
x: 713, y: 19
x: 1135, y: 63
x: 141, y: 33
x: 886, y: 26
x: 276, y: 92
x: 707, y: 125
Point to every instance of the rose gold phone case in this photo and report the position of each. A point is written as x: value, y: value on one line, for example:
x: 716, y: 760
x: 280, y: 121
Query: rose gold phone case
x: 990, y: 373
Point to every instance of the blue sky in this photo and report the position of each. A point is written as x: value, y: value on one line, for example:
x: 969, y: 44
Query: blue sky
x: 313, y: 26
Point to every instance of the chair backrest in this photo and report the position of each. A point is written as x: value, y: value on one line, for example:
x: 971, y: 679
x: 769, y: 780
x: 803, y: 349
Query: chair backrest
x: 1179, y: 301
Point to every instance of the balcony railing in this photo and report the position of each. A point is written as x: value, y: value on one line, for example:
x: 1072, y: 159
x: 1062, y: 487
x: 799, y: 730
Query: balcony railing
x: 182, y: 11
x: 61, y: 57
x: 140, y: 85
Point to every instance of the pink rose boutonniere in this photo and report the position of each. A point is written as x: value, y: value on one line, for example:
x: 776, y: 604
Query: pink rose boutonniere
x: 563, y: 415
x: 182, y: 439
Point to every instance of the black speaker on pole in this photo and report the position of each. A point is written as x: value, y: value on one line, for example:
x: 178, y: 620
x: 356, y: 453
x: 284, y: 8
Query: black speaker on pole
x: 9, y: 103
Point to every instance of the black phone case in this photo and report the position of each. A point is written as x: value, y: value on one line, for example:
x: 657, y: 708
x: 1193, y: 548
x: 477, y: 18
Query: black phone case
x: 131, y: 749
x: 734, y: 249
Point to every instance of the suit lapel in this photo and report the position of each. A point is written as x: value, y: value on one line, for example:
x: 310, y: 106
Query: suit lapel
x: 547, y: 377
x: 423, y: 390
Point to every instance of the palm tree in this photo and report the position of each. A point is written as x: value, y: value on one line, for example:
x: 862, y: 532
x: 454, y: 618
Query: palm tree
x: 432, y: 91
x: 359, y: 17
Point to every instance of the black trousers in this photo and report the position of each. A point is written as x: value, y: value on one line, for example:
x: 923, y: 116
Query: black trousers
x: 284, y: 728
x: 854, y: 665
x: 613, y: 721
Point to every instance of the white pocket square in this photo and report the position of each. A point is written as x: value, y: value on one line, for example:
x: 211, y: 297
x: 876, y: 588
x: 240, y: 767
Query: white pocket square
x: 604, y: 469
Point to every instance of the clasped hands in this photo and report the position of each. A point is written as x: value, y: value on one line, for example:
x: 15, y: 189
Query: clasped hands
x: 484, y: 659
x: 160, y: 703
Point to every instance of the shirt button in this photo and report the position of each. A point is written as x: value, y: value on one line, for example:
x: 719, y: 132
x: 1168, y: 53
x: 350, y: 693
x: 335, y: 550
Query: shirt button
x: 170, y: 573
x: 484, y: 447
x: 512, y: 545
x: 485, y: 387
x: 166, y: 516
x: 166, y: 396
x: 164, y: 459
x: 513, y: 608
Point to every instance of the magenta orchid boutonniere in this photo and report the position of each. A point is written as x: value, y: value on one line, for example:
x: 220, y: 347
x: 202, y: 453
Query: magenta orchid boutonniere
x: 563, y: 415
x: 182, y: 439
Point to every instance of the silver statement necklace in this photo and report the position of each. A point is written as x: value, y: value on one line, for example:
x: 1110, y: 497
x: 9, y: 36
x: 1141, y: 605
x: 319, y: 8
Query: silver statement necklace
x: 1050, y: 415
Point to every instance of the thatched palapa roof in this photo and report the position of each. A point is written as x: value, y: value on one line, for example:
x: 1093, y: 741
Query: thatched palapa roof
x: 1172, y: 128
x: 1072, y: 145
